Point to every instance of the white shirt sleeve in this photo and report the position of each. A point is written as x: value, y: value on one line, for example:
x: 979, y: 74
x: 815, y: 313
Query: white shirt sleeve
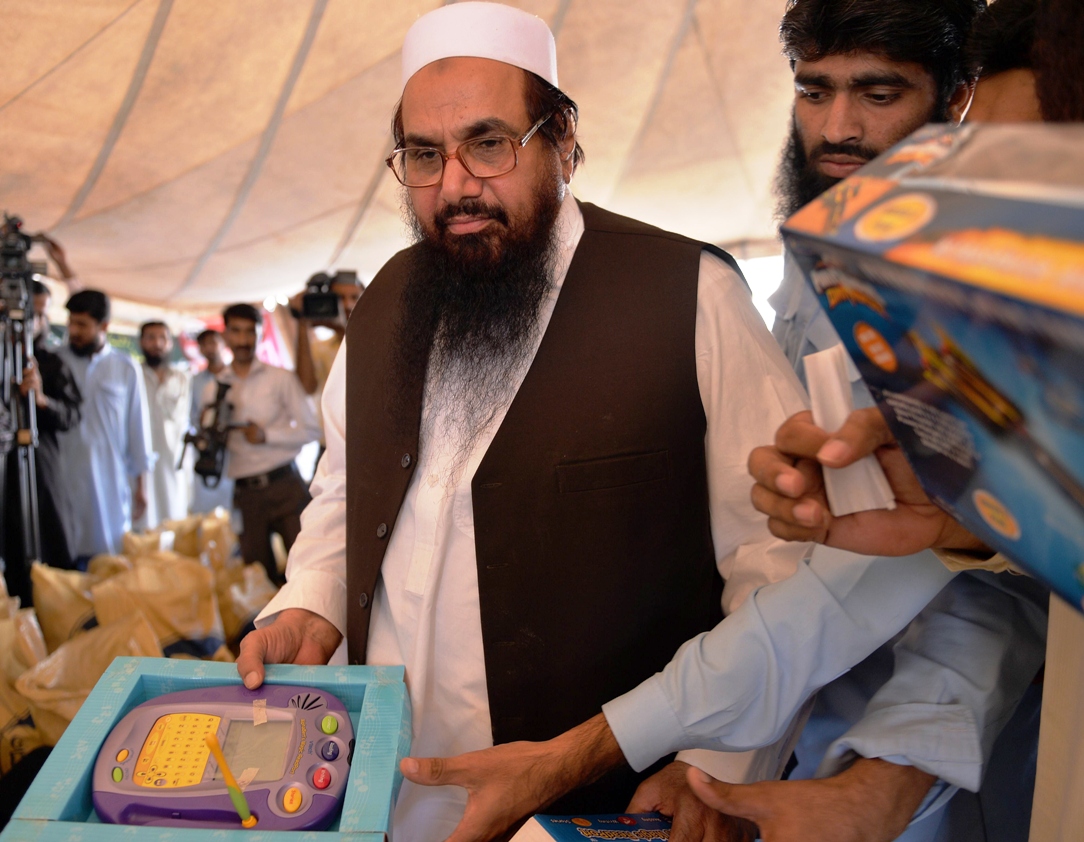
x: 748, y: 390
x: 738, y: 686
x: 316, y: 567
x: 297, y: 426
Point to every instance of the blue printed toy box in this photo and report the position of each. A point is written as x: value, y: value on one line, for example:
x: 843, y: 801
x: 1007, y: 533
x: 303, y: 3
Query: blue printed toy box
x: 58, y: 804
x: 952, y: 268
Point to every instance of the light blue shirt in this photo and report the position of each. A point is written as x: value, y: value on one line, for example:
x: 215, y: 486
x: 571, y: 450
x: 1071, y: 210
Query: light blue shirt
x: 961, y: 666
x: 102, y: 454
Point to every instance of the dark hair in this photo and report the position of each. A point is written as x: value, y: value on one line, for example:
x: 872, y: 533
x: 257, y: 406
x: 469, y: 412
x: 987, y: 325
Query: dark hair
x: 541, y: 99
x: 242, y: 311
x: 1059, y: 80
x: 928, y: 32
x: 143, y: 327
x: 38, y: 288
x: 1002, y: 38
x: 207, y: 334
x: 90, y: 302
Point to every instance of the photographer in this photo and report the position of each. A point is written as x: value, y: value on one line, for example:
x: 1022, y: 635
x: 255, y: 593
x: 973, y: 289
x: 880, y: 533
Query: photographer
x: 274, y: 420
x: 57, y: 402
x: 316, y: 307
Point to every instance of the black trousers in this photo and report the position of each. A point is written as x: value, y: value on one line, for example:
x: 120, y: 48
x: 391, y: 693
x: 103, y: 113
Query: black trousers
x: 275, y: 507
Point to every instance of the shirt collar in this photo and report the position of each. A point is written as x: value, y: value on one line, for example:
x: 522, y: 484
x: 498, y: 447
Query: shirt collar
x: 229, y: 374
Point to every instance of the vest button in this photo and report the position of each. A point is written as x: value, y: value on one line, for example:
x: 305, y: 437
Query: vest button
x: 363, y: 600
x: 382, y: 530
x: 405, y: 461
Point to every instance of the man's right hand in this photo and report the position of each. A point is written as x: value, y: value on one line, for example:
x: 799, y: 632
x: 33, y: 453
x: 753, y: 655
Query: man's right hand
x: 668, y: 792
x: 508, y: 783
x: 790, y: 490
x: 297, y: 636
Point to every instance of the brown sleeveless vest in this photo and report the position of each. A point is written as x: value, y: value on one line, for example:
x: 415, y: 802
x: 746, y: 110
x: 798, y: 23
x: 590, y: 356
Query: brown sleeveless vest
x: 594, y: 551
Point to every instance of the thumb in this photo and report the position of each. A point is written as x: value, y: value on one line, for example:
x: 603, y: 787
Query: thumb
x: 739, y: 800
x: 861, y: 434
x: 427, y: 771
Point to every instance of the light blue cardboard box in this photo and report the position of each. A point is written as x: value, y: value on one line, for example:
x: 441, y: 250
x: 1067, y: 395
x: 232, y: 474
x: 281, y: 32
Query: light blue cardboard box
x: 57, y: 807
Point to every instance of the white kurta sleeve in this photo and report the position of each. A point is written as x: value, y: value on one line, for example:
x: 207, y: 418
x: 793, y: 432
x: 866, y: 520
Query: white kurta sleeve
x: 748, y: 390
x: 316, y: 568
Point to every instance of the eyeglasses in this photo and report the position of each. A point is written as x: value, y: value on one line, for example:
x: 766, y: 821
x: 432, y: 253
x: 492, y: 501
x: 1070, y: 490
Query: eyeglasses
x: 482, y: 157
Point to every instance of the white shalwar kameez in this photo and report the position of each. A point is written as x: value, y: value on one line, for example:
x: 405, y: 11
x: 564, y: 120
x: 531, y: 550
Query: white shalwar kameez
x: 103, y: 454
x: 426, y: 612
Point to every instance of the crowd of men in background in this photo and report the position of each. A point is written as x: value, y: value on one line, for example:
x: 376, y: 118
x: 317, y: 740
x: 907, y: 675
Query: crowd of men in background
x: 111, y: 454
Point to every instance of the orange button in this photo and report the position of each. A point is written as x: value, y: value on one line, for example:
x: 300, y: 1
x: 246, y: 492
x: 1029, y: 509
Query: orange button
x: 291, y: 801
x: 321, y: 778
x: 122, y: 755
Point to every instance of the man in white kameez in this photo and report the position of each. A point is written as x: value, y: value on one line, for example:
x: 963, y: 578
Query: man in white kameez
x: 169, y: 404
x: 107, y: 455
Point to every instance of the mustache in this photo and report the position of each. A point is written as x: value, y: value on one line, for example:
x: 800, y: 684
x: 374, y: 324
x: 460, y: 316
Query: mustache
x: 853, y: 150
x: 470, y: 207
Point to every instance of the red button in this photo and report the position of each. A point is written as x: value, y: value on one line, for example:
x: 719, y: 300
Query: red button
x: 321, y: 778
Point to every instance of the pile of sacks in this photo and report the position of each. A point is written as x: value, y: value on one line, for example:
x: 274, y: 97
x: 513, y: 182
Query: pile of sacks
x: 181, y: 591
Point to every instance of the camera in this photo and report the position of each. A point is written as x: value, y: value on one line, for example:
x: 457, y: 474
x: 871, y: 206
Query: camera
x: 320, y: 302
x: 211, y: 438
x: 15, y: 270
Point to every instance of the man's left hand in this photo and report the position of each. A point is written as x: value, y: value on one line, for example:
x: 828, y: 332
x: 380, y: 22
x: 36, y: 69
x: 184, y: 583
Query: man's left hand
x: 254, y: 433
x: 139, y: 499
x: 872, y: 801
x: 32, y: 380
x: 668, y: 792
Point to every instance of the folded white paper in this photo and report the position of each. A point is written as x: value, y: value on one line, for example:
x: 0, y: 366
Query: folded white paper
x: 863, y: 485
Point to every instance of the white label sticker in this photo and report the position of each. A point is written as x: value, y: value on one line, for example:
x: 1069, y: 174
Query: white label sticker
x: 246, y: 777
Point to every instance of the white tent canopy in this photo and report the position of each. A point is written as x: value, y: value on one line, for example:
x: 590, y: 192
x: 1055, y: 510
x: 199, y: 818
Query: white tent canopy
x: 187, y: 152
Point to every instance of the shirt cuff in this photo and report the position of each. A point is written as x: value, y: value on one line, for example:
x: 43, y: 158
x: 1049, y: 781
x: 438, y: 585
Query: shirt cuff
x: 644, y: 724
x: 942, y: 740
x: 318, y: 591
x: 961, y: 560
x: 733, y: 767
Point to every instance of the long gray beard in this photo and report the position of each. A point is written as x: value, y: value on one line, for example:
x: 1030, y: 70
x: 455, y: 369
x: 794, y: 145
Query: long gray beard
x: 464, y: 396
x: 474, y: 304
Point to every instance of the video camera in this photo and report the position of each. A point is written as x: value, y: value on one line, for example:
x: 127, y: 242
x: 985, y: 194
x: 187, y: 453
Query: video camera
x: 16, y: 351
x: 16, y: 271
x: 320, y: 302
x: 211, y: 438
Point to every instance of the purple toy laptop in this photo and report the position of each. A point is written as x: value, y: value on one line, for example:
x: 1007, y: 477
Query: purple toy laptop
x: 288, y: 747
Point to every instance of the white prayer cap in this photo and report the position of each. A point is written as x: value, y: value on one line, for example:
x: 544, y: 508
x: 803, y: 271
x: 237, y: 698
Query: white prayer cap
x: 481, y: 30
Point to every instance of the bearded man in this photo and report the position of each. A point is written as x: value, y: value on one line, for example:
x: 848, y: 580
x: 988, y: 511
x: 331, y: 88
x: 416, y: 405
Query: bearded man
x: 539, y: 426
x: 108, y: 454
x: 169, y: 404
x: 866, y: 75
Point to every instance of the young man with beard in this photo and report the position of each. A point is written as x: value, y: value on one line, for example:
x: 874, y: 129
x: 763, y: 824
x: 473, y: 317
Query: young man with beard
x: 107, y: 455
x: 864, y: 79
x: 169, y: 402
x: 540, y: 442
x: 276, y: 419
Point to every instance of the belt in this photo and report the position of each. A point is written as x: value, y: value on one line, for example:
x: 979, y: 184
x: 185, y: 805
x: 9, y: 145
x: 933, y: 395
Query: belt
x: 264, y: 480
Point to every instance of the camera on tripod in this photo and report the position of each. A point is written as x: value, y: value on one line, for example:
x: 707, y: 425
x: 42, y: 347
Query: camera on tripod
x: 320, y: 302
x: 16, y: 352
x: 16, y: 271
x: 211, y: 438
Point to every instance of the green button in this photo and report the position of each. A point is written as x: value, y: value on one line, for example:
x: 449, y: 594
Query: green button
x: 329, y: 725
x: 118, y: 775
